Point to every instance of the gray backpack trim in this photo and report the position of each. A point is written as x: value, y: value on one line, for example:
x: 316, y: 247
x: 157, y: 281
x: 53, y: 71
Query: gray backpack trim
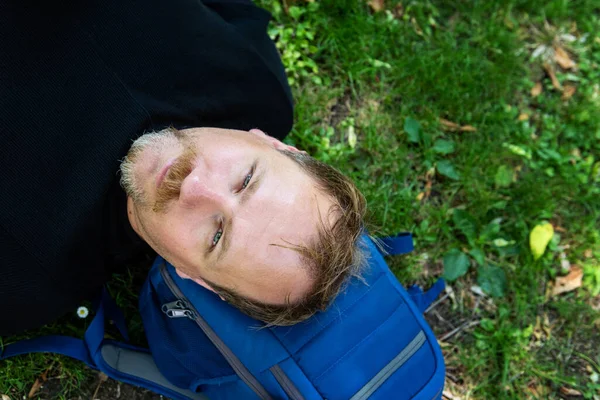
x: 390, y: 368
x: 142, y: 366
x: 286, y: 383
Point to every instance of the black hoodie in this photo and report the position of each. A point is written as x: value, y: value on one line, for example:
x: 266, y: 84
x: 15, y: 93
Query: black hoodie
x: 79, y: 80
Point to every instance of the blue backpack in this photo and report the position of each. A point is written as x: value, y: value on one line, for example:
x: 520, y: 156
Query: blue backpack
x: 371, y: 343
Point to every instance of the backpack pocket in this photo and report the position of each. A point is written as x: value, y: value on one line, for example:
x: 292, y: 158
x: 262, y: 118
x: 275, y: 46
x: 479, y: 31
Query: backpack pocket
x: 404, y: 376
x: 183, y: 353
x: 375, y: 347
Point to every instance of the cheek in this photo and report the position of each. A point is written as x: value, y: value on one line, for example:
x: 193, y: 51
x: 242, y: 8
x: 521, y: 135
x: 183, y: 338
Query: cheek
x: 170, y: 237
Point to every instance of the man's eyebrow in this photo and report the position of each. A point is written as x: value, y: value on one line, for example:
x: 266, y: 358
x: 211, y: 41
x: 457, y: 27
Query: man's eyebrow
x: 246, y: 194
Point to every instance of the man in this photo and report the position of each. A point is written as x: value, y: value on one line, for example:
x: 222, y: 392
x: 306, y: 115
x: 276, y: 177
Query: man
x: 263, y: 225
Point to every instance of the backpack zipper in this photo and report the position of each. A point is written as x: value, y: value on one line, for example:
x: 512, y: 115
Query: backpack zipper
x: 183, y: 308
x: 177, y: 309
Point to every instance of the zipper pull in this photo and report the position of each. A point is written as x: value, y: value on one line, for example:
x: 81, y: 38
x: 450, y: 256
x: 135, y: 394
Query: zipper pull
x: 179, y: 313
x: 174, y: 304
x: 177, y: 309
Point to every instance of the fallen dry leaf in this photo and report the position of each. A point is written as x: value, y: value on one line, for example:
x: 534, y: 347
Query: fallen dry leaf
x: 523, y: 117
x: 534, y: 392
x: 38, y: 382
x: 37, y: 385
x: 588, y: 253
x: 453, y: 126
x: 449, y: 125
x: 416, y: 26
x: 536, y: 90
x: 542, y: 330
x: 478, y: 291
x: 537, y: 329
x: 428, y: 184
x: 44, y: 376
x: 568, y: 92
x: 569, y: 391
x: 399, y: 10
x: 569, y: 282
x: 552, y: 75
x: 377, y: 5
x: 430, y: 174
x: 468, y: 128
x: 546, y: 326
x: 562, y: 58
x: 5, y: 397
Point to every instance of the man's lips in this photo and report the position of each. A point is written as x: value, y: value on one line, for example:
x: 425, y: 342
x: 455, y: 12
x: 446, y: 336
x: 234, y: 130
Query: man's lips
x: 163, y: 171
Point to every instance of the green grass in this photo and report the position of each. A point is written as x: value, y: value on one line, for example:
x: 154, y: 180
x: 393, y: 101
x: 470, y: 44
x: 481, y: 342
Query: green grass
x: 363, y: 81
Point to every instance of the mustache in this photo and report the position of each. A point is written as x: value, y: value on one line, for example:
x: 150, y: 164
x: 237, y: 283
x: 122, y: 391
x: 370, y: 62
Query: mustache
x: 170, y: 187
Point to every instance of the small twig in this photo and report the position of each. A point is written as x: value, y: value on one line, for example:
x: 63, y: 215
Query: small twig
x: 435, y: 303
x: 102, y: 378
x: 511, y: 380
x: 476, y: 305
x: 466, y: 325
x: 589, y: 360
x: 447, y: 395
x: 437, y: 314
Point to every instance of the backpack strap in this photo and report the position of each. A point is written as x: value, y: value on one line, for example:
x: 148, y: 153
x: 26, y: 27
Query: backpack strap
x: 423, y: 299
x: 67, y: 346
x: 401, y: 243
x: 118, y: 360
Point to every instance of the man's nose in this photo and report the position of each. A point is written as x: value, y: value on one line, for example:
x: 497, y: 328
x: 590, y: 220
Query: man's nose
x: 205, y: 190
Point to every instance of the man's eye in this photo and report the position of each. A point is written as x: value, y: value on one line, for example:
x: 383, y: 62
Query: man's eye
x: 247, y: 181
x: 217, y: 237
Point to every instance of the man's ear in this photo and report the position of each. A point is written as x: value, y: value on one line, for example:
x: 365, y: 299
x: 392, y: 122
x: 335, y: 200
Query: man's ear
x: 199, y: 281
x: 275, y: 143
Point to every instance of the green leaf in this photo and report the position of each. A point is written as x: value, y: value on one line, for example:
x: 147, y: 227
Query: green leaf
x: 412, y: 128
x: 295, y: 12
x: 501, y: 242
x: 504, y: 176
x: 446, y: 168
x: 492, y: 280
x: 488, y: 324
x: 500, y: 205
x: 539, y: 238
x: 518, y: 150
x: 478, y: 255
x: 456, y: 264
x: 490, y: 230
x: 465, y: 223
x: 443, y: 146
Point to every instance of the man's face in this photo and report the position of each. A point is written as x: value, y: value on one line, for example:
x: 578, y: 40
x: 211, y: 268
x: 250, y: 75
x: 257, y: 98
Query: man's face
x: 224, y: 206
